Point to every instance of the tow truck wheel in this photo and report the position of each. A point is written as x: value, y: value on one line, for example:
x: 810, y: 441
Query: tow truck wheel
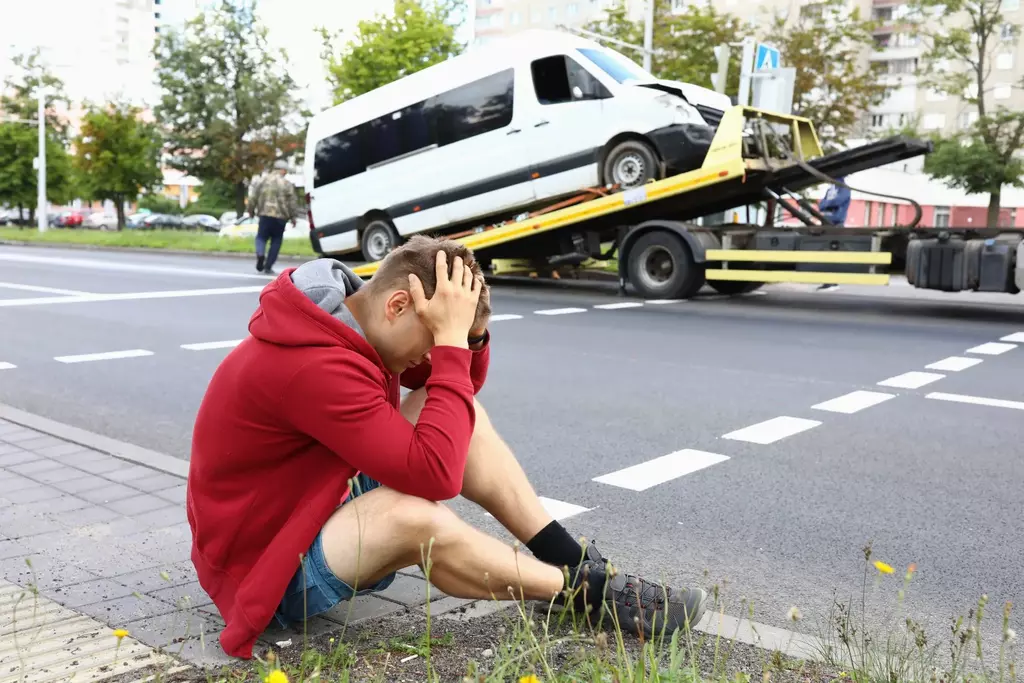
x: 734, y: 287
x: 661, y: 267
x: 379, y: 238
x: 630, y: 164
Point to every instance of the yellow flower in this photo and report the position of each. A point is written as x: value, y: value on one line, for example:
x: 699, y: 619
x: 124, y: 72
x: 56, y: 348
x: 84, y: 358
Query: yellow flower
x: 120, y: 633
x: 529, y: 679
x: 277, y: 676
x: 882, y: 567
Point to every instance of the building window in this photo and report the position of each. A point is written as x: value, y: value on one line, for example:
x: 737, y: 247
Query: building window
x: 571, y: 9
x: 514, y: 18
x: 934, y: 121
x: 1010, y: 5
x: 1008, y: 32
x: 156, y: 15
x: 967, y: 119
x: 901, y: 66
x: 678, y: 6
x: 941, y: 217
x: 877, y: 120
x: 1004, y: 61
x: 552, y: 13
x: 1002, y: 91
x: 535, y: 16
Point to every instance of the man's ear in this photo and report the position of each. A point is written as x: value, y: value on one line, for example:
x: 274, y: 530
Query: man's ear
x: 399, y: 302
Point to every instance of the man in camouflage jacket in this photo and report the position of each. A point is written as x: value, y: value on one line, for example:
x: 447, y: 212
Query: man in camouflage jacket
x: 273, y: 200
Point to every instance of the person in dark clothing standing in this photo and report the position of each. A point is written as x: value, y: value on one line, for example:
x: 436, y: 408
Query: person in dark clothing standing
x: 274, y: 202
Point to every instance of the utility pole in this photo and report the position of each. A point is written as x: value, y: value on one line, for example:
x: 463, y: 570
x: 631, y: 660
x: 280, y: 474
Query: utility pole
x: 648, y: 34
x: 41, y: 217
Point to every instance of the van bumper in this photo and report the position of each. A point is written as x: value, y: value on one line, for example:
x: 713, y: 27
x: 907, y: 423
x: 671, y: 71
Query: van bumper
x: 682, y: 147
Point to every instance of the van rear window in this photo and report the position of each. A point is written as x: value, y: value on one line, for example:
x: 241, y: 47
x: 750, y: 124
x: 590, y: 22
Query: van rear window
x: 479, y: 107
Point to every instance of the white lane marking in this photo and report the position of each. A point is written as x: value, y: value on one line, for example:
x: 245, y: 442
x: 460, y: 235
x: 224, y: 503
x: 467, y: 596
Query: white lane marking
x: 772, y: 430
x: 992, y: 349
x: 41, y: 290
x: 660, y: 470
x: 976, y: 400
x: 206, y: 346
x: 7, y: 366
x: 1015, y: 337
x: 954, y: 364
x: 911, y: 380
x: 109, y: 355
x: 663, y: 302
x: 621, y: 304
x: 129, y: 296
x: 854, y: 402
x: 560, y: 311
x: 505, y: 316
x: 558, y: 509
x: 124, y: 267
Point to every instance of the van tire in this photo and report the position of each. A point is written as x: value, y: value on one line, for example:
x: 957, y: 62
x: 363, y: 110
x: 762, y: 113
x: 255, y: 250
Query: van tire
x: 379, y: 238
x: 661, y: 266
x: 630, y: 164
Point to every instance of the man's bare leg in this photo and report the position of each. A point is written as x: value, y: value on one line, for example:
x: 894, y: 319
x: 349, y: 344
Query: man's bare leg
x: 382, y: 531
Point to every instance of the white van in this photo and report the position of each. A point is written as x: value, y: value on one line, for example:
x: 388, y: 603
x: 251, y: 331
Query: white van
x: 519, y: 122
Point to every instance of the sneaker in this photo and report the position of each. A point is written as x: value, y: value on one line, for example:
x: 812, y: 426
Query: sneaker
x: 259, y: 263
x: 269, y: 271
x: 639, y: 605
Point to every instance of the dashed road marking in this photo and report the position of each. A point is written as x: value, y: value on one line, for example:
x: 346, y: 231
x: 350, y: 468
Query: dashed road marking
x: 663, y: 302
x: 109, y: 355
x: 206, y: 346
x: 621, y: 304
x: 911, y: 380
x: 560, y: 311
x: 954, y: 364
x: 660, y: 470
x: 41, y: 290
x: 1015, y: 337
x: 976, y: 400
x: 505, y: 316
x: 772, y: 430
x: 7, y: 366
x: 558, y: 509
x: 854, y: 402
x: 992, y: 349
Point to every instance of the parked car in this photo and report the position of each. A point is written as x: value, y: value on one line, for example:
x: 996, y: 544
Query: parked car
x: 100, y: 221
x: 202, y: 221
x: 162, y: 221
x: 228, y: 217
x: 246, y: 226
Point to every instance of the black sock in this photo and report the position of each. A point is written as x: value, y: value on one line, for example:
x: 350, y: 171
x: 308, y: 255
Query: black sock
x: 554, y: 545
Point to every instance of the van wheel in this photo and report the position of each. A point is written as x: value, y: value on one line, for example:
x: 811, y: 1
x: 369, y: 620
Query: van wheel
x: 630, y: 164
x: 379, y: 238
x: 661, y: 266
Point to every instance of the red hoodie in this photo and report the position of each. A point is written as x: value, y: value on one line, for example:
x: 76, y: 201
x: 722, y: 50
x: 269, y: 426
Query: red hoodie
x: 290, y: 415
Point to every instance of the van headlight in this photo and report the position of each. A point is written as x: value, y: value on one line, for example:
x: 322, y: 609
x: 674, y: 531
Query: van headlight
x: 684, y: 113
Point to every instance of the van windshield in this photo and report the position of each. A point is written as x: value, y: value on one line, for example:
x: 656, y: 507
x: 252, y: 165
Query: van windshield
x: 615, y: 65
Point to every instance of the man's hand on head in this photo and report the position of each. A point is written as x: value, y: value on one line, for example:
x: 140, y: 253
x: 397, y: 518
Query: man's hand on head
x: 479, y: 328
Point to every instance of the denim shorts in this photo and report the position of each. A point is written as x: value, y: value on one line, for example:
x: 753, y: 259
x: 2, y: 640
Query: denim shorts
x: 314, y: 589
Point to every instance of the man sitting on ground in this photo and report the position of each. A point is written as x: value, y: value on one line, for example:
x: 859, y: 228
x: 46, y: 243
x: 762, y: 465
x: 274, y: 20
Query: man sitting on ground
x: 311, y: 400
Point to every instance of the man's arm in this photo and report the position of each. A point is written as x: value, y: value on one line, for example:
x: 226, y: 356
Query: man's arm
x: 344, y: 407
x: 254, y: 196
x: 416, y: 377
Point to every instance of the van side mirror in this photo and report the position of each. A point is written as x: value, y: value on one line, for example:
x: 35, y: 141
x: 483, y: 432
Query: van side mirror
x: 577, y: 92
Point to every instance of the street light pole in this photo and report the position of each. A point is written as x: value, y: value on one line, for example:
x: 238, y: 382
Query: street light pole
x: 648, y: 34
x: 41, y: 216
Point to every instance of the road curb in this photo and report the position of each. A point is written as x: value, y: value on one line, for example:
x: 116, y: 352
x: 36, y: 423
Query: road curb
x: 149, y: 250
x: 104, y: 444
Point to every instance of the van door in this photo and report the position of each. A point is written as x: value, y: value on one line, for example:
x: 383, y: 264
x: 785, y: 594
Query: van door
x: 567, y: 126
x: 481, y: 147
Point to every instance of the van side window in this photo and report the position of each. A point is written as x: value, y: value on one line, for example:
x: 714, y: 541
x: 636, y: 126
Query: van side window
x: 338, y: 157
x: 473, y: 109
x: 555, y: 78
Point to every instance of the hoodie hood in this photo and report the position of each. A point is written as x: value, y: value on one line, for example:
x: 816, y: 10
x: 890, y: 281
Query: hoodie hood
x: 305, y: 306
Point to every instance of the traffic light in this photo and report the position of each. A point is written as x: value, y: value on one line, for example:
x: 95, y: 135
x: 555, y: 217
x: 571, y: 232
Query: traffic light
x: 721, y: 75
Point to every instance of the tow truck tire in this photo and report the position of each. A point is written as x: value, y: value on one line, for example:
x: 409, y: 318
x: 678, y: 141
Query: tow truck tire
x: 630, y: 164
x: 661, y: 266
x: 379, y: 238
x: 734, y: 287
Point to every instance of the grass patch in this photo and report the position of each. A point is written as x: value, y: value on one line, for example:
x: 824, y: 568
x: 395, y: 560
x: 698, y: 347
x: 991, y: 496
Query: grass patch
x: 183, y: 240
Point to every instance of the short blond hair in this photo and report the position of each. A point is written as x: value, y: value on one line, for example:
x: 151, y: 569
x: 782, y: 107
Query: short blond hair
x: 418, y: 256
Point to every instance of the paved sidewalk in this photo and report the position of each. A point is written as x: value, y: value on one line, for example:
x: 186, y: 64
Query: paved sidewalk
x: 108, y: 538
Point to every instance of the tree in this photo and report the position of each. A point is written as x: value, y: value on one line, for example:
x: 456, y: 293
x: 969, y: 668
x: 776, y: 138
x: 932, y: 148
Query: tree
x: 684, y: 41
x: 963, y: 39
x: 825, y: 43
x: 228, y: 104
x: 19, y: 141
x: 117, y: 155
x: 391, y: 46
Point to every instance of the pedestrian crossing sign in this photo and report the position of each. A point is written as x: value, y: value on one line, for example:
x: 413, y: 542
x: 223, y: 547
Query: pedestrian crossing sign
x: 767, y: 57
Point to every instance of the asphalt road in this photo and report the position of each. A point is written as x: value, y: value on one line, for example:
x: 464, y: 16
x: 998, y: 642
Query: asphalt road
x: 587, y: 387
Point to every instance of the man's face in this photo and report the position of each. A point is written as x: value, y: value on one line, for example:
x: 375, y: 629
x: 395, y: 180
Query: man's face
x: 401, y: 339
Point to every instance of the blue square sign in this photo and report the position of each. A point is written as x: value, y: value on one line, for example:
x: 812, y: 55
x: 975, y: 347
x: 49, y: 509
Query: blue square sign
x: 766, y: 57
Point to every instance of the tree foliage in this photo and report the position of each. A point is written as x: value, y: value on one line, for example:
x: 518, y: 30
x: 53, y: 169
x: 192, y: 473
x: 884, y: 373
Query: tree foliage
x: 117, y: 155
x: 963, y: 39
x: 391, y: 46
x: 825, y: 42
x: 19, y: 141
x: 684, y: 42
x: 228, y: 104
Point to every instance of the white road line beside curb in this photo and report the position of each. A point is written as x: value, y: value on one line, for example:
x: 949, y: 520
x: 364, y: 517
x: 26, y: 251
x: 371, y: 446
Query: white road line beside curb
x: 854, y: 402
x: 663, y: 302
x: 41, y: 290
x: 1015, y: 337
x: 772, y: 430
x: 955, y: 364
x: 621, y: 304
x: 505, y: 316
x: 104, y: 444
x: 976, y: 400
x: 7, y: 366
x: 771, y: 638
x: 911, y: 380
x: 108, y: 355
x: 102, y: 264
x: 560, y: 311
x: 207, y: 346
x: 992, y: 349
x: 128, y: 296
x: 660, y: 470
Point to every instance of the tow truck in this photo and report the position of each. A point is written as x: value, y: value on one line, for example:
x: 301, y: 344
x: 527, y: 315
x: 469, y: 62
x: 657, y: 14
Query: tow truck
x: 761, y: 160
